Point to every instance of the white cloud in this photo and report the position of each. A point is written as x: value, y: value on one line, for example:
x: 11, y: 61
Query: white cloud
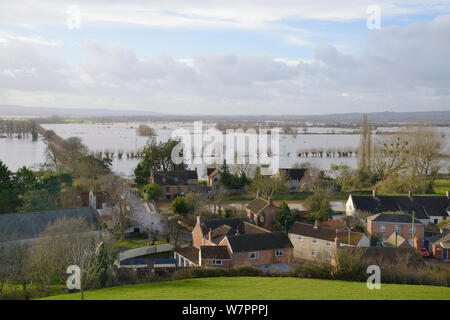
x: 204, y: 13
x: 402, y: 68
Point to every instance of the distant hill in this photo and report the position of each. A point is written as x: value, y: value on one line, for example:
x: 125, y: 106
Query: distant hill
x: 8, y: 110
x: 437, y: 117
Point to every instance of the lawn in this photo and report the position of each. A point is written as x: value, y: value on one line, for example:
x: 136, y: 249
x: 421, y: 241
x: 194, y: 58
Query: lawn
x: 133, y: 243
x: 441, y: 186
x: 260, y: 288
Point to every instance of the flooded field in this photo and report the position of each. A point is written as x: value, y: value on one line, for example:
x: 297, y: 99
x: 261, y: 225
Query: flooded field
x: 113, y: 138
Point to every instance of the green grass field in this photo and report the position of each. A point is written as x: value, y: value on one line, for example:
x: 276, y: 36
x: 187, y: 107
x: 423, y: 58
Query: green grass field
x: 441, y: 186
x: 260, y: 288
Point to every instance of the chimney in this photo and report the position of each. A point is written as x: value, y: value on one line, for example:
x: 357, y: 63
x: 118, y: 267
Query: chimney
x: 316, y: 224
x: 447, y: 193
x: 374, y: 193
x: 209, y: 234
x: 410, y: 194
x: 270, y: 200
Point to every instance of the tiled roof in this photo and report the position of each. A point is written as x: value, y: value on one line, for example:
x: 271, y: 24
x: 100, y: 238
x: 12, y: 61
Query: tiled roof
x: 444, y: 236
x: 393, y: 217
x: 225, y: 227
x: 211, y: 172
x: 170, y: 178
x: 214, y: 252
x: 257, y: 205
x: 233, y: 223
x: 325, y: 233
x: 259, y: 241
x: 424, y: 206
x: 191, y: 253
x: 18, y: 226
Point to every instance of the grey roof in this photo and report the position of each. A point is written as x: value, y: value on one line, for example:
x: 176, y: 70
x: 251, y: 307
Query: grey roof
x: 394, y: 218
x: 234, y: 224
x: 256, y: 205
x: 178, y: 177
x: 424, y: 206
x: 439, y: 237
x: 18, y: 226
x: 190, y: 253
x: 259, y: 241
x: 294, y: 173
x: 215, y: 252
x: 325, y: 233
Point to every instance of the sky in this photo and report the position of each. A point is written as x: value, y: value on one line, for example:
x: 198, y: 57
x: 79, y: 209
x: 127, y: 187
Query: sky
x: 226, y: 57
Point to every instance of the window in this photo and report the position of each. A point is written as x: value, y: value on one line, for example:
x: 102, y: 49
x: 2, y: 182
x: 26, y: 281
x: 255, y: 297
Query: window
x: 328, y: 244
x: 411, y: 229
x: 217, y: 262
x: 300, y: 238
x: 313, y: 253
x: 397, y: 229
x: 314, y: 240
x: 383, y: 239
x: 261, y: 218
x: 253, y: 255
x: 411, y: 242
x: 279, y: 253
x: 382, y: 228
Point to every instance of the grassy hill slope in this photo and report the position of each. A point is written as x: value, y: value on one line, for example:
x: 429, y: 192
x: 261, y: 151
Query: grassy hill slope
x: 254, y: 288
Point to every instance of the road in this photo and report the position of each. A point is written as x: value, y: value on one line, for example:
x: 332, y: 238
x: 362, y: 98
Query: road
x: 144, y: 217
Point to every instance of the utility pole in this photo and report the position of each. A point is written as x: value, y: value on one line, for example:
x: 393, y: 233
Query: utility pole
x: 413, y: 213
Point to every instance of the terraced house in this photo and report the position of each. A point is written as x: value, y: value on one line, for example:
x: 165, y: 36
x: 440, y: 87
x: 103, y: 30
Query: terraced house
x: 235, y: 242
x: 385, y: 224
x: 262, y: 212
x: 427, y: 209
x: 316, y: 242
x: 175, y: 183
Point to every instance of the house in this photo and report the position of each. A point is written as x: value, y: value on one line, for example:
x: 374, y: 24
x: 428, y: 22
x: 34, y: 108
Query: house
x: 316, y: 242
x: 294, y: 177
x: 427, y: 209
x: 213, y: 177
x: 385, y: 224
x: 235, y: 242
x: 262, y: 212
x: 175, y: 183
x: 439, y: 245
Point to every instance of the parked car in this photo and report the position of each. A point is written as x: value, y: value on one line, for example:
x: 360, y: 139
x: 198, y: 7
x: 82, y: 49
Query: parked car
x: 425, y: 253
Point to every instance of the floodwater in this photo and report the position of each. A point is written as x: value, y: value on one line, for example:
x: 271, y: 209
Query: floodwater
x: 122, y: 137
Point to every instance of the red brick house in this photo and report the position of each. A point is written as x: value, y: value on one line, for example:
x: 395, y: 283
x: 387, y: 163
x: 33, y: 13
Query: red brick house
x: 385, y: 224
x: 176, y: 183
x: 262, y: 212
x: 440, y: 245
x: 235, y: 242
